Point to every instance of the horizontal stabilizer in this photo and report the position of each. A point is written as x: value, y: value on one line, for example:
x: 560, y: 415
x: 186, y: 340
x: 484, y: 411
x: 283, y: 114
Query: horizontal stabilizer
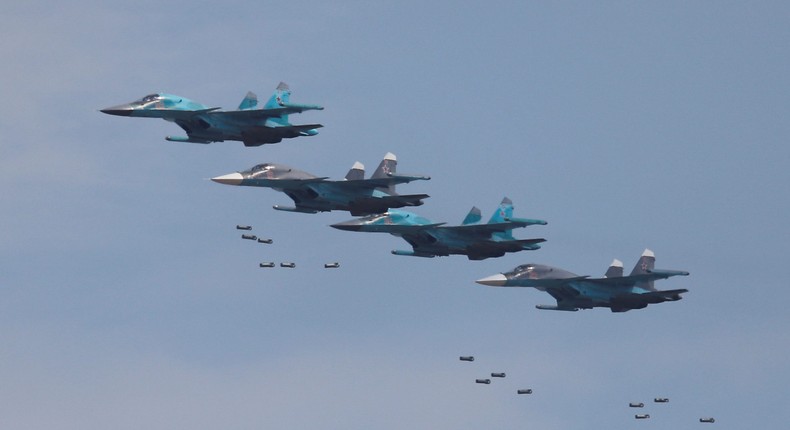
x: 667, y: 273
x: 527, y: 221
x: 297, y: 108
x: 625, y: 302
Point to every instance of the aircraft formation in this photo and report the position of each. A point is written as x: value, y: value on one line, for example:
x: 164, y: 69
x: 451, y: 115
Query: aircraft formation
x: 378, y: 208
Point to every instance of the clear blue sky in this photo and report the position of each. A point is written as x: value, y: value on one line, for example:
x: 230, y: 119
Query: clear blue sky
x: 128, y: 300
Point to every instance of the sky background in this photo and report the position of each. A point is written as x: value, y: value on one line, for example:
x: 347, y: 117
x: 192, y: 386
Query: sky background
x: 128, y: 299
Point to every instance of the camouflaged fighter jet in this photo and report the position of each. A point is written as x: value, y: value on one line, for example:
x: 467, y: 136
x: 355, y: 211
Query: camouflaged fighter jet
x: 203, y: 124
x: 428, y: 239
x: 312, y: 194
x: 573, y: 292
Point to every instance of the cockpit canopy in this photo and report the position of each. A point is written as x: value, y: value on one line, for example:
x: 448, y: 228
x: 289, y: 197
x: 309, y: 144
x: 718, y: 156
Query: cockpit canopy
x: 524, y: 268
x: 262, y: 168
x: 148, y: 99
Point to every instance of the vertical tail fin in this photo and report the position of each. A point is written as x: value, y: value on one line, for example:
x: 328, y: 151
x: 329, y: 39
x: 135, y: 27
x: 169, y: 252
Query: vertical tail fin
x: 387, y: 167
x: 474, y: 216
x: 502, y: 214
x: 615, y: 269
x: 646, y: 264
x: 357, y: 172
x: 281, y: 95
x: 250, y: 101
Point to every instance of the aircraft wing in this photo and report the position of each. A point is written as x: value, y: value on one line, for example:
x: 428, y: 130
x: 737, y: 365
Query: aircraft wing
x: 486, y: 229
x: 176, y: 114
x: 257, y: 114
x: 285, y: 183
x: 562, y: 292
x: 402, y: 229
x: 498, y: 247
x: 396, y: 201
x: 368, y: 184
x: 631, y: 280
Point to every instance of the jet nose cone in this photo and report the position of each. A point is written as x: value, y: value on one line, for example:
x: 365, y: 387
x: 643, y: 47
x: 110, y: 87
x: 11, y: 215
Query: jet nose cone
x: 353, y: 225
x: 229, y: 179
x: 497, y: 280
x: 120, y: 110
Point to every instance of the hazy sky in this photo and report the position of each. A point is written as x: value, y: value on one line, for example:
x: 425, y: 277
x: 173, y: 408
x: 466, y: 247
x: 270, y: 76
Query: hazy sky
x: 129, y: 301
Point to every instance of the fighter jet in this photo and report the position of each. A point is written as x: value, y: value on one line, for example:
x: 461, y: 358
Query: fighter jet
x: 636, y: 405
x: 429, y: 239
x: 573, y: 292
x: 642, y: 416
x: 313, y: 194
x: 205, y: 124
x: 707, y: 420
x: 525, y: 391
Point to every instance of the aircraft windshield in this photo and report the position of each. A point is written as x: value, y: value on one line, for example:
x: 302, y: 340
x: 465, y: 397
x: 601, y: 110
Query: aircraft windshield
x: 147, y: 99
x: 261, y: 168
x: 525, y: 268
x: 374, y: 218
